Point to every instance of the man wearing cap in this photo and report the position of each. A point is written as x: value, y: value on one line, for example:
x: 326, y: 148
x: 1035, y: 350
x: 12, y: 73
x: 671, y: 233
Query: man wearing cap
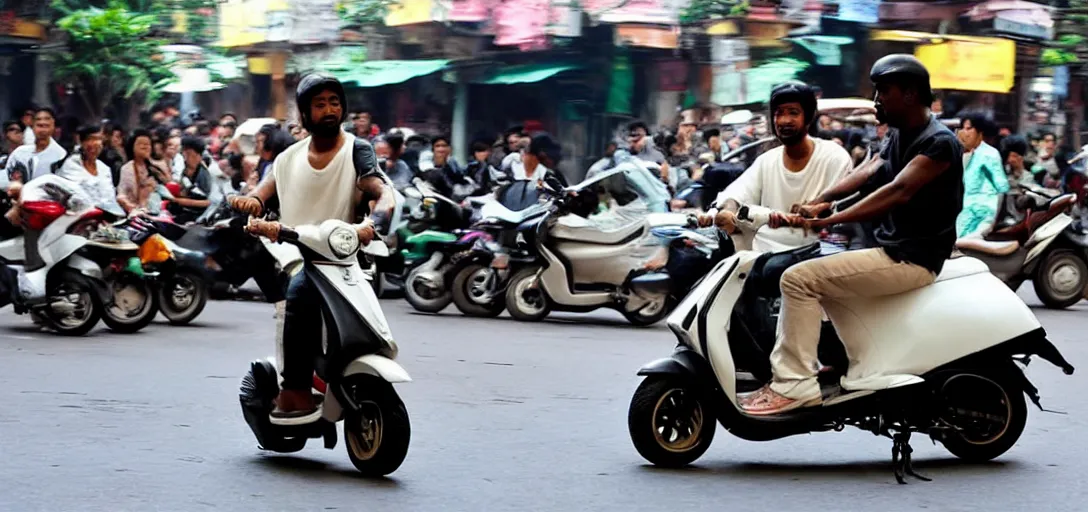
x: 914, y: 193
x: 784, y: 176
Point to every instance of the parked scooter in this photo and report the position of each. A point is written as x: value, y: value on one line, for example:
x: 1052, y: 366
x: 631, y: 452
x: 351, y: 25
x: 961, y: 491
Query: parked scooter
x: 583, y: 266
x: 426, y: 287
x: 919, y: 373
x: 72, y: 277
x: 181, y: 277
x: 1043, y: 246
x: 356, y: 371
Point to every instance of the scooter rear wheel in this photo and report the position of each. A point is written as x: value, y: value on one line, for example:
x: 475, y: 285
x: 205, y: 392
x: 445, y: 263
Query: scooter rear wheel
x: 669, y: 424
x: 1061, y: 279
x: 419, y: 297
x: 466, y: 294
x: 988, y: 412
x: 86, y: 309
x: 377, y: 434
x: 523, y: 301
x: 182, y: 297
x: 117, y: 315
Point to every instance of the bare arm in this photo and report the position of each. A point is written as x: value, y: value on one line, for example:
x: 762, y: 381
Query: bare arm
x: 851, y: 182
x: 920, y: 171
x: 266, y: 189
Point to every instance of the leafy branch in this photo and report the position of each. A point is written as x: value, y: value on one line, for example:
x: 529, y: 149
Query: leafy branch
x: 703, y: 10
x: 364, y: 13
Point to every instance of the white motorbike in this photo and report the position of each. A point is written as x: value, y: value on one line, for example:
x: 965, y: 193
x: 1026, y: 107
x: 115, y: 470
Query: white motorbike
x: 1042, y: 246
x: 583, y: 266
x: 357, y: 369
x: 70, y: 281
x: 946, y: 369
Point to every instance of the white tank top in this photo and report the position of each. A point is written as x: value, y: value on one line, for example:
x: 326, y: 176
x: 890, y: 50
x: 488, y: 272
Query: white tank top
x: 311, y: 196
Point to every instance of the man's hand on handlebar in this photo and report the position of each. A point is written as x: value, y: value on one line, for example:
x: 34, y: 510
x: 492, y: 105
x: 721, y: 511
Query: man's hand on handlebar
x: 811, y: 210
x: 268, y: 229
x: 779, y: 220
x: 366, y: 232
x: 725, y: 220
x: 246, y: 204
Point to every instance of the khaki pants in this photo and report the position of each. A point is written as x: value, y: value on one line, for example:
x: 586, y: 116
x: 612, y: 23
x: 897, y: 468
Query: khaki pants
x: 847, y: 275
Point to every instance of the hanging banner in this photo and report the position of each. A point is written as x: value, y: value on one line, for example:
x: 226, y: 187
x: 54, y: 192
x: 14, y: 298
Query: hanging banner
x: 647, y: 37
x: 859, y: 11
x: 409, y: 12
x: 988, y: 65
x: 661, y: 12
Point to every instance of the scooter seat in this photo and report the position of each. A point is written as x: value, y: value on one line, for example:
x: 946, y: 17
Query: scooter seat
x: 577, y: 229
x: 961, y: 267
x: 987, y: 247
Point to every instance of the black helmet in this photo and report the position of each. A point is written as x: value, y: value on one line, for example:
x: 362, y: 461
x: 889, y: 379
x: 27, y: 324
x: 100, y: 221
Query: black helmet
x: 794, y: 91
x: 308, y: 87
x: 903, y: 69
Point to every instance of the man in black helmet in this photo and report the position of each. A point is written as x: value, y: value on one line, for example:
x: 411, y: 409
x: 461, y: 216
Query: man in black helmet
x: 914, y: 193
x: 800, y: 168
x: 330, y: 175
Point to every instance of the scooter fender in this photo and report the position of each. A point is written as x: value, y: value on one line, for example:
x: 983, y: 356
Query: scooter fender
x: 1045, y: 236
x: 683, y: 363
x: 378, y: 366
x: 92, y: 274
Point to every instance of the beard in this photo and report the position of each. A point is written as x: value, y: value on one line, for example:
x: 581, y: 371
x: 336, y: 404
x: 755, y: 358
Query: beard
x: 790, y: 137
x: 881, y: 115
x: 325, y: 129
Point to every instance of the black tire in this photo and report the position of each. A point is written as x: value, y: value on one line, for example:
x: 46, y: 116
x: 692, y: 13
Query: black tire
x: 420, y: 303
x: 533, y: 309
x: 465, y: 304
x: 70, y: 284
x: 646, y: 404
x: 986, y: 447
x: 1061, y: 279
x: 141, y: 319
x: 639, y: 320
x: 183, y: 314
x: 378, y: 448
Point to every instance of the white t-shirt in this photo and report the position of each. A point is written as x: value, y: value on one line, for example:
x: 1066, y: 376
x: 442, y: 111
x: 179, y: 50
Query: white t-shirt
x: 517, y: 170
x: 768, y: 186
x: 37, y: 163
x: 98, y: 187
x: 311, y: 196
x: 28, y: 135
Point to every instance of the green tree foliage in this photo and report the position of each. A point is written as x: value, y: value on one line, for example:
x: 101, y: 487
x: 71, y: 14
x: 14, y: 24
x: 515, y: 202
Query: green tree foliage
x: 1071, y: 41
x: 111, y: 54
x: 702, y: 10
x: 363, y: 13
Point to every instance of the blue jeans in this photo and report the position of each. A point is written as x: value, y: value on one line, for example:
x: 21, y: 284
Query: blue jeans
x: 301, y: 333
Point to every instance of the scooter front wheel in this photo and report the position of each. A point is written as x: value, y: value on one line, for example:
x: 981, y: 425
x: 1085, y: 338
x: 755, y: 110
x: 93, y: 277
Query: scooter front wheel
x: 182, y: 297
x: 422, y: 294
x: 1061, y: 279
x: 526, y: 300
x: 133, y: 307
x: 472, y: 292
x: 669, y: 424
x: 378, y: 431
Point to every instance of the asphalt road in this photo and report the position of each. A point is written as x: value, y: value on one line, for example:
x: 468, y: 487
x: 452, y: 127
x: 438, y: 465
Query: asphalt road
x: 505, y: 416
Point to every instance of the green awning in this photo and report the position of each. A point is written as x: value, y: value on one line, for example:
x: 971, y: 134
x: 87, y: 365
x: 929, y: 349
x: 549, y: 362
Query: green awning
x: 524, y: 74
x: 377, y: 73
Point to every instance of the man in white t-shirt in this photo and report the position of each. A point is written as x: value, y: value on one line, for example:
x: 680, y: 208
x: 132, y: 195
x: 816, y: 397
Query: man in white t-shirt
x: 37, y: 159
x: 538, y: 161
x: 330, y: 175
x: 785, y: 176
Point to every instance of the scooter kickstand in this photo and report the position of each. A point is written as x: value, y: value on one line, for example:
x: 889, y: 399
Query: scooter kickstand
x: 901, y: 459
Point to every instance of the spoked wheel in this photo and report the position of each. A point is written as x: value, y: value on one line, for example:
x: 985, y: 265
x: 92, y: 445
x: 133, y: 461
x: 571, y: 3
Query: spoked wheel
x: 474, y: 292
x: 134, y: 305
x: 650, y: 313
x: 525, y: 299
x: 1061, y: 279
x: 72, y: 309
x: 424, y: 293
x: 669, y: 424
x: 378, y: 432
x: 182, y: 297
x: 984, y: 416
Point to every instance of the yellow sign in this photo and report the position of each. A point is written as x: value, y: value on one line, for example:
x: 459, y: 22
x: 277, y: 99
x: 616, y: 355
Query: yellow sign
x: 988, y: 66
x: 249, y: 22
x: 409, y: 12
x: 723, y: 28
x: 647, y: 37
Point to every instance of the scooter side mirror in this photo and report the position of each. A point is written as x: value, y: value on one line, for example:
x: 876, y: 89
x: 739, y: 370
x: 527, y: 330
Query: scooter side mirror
x: 376, y: 248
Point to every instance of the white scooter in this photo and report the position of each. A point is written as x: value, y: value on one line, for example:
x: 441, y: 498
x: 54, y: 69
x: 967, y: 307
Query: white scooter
x: 1041, y: 247
x: 583, y: 266
x: 70, y: 281
x: 940, y: 360
x: 356, y: 371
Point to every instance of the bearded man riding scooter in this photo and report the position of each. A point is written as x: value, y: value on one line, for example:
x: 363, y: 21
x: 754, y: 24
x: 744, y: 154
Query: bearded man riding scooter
x: 330, y: 175
x: 799, y: 169
x: 916, y: 194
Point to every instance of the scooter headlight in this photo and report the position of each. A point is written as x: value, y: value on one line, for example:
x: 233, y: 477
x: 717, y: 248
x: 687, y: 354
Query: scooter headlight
x: 343, y: 242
